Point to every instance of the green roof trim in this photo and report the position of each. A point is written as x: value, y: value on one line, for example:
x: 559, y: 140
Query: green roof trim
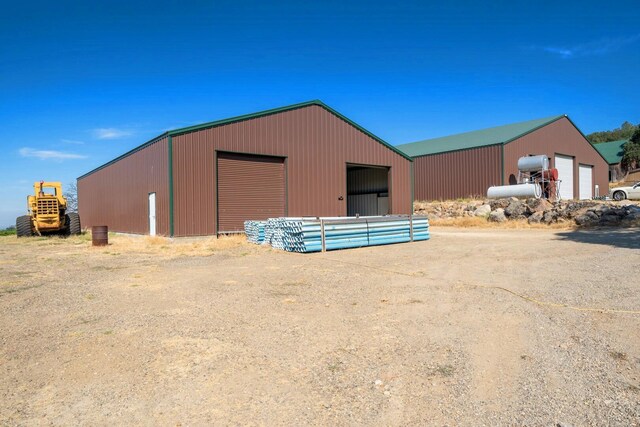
x: 217, y: 123
x: 475, y: 139
x: 127, y: 154
x: 611, y: 151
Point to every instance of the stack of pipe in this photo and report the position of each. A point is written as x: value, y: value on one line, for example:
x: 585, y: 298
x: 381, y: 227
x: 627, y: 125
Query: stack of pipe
x: 305, y: 234
x: 268, y: 231
x: 255, y: 231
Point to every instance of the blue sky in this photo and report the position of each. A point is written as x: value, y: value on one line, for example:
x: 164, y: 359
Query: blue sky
x: 82, y: 82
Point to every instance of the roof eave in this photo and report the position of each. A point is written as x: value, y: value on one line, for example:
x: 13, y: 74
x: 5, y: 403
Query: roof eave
x: 316, y: 102
x: 537, y: 128
x: 585, y: 138
x: 209, y: 125
x: 495, y: 143
x: 127, y: 154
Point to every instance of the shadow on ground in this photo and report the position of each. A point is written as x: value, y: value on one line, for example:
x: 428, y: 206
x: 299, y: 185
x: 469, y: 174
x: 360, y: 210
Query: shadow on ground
x: 617, y: 237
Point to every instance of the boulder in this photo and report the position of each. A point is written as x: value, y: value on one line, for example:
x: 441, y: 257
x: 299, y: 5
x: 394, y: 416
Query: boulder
x: 587, y: 218
x: 499, y: 204
x: 497, y: 215
x: 515, y: 208
x: 633, y: 212
x: 549, y: 217
x: 538, y: 205
x: 483, y: 210
x: 599, y: 209
x: 614, y: 211
x: 536, y: 217
x: 610, y: 219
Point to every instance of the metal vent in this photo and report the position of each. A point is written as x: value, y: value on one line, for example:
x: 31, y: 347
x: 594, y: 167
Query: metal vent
x: 47, y: 206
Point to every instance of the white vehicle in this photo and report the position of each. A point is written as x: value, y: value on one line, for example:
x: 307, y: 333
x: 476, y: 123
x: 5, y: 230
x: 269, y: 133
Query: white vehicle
x: 621, y: 193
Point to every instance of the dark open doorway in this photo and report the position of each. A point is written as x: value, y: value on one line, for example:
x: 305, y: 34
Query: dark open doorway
x: 367, y: 190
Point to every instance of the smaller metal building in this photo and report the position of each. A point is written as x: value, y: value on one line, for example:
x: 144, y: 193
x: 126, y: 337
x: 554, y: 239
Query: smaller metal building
x: 612, y: 153
x: 467, y: 164
x: 300, y: 160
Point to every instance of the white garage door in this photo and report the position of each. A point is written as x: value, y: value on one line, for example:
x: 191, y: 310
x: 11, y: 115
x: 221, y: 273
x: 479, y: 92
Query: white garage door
x: 586, y: 189
x: 564, y: 165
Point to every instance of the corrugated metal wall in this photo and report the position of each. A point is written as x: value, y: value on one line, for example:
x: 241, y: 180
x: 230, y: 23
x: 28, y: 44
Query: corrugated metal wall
x: 559, y: 137
x: 457, y: 174
x: 317, y: 146
x: 249, y: 187
x: 118, y: 195
x: 364, y: 186
x: 362, y: 204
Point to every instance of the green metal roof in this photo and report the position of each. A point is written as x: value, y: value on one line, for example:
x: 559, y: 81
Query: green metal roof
x: 479, y: 138
x: 249, y: 117
x: 611, y: 151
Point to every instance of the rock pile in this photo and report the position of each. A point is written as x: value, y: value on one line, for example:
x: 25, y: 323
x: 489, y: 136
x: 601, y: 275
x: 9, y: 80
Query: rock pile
x: 581, y: 212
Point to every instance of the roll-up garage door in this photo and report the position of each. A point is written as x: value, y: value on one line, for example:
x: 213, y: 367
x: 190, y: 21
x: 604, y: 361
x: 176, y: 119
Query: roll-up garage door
x: 586, y: 180
x: 249, y: 187
x: 564, y: 165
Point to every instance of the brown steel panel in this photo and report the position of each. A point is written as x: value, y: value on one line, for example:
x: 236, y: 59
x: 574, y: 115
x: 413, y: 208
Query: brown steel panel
x: 249, y: 187
x: 117, y: 195
x: 465, y: 173
x: 317, y: 145
x: 559, y: 137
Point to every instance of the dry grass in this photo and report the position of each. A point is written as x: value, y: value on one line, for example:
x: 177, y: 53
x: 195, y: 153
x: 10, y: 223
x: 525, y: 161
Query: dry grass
x: 203, y: 246
x: 481, y: 222
x: 621, y: 184
x: 469, y: 199
x: 120, y: 244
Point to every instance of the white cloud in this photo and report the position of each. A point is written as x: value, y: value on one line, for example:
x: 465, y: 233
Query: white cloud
x: 49, y: 154
x: 110, y: 133
x: 564, y: 53
x: 594, y: 48
x: 72, y: 142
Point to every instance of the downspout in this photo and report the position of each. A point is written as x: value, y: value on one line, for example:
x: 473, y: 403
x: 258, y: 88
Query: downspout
x: 502, y: 162
x: 412, y: 178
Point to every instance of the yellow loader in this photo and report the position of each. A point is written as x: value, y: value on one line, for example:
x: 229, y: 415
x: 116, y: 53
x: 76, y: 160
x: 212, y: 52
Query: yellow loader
x: 47, y: 212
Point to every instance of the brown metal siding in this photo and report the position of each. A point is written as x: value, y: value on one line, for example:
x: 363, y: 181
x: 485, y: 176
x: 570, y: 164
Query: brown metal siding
x: 559, y: 137
x: 457, y: 174
x: 317, y: 144
x: 118, y: 195
x: 249, y: 187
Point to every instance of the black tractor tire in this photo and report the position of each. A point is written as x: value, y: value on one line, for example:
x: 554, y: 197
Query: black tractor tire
x: 73, y: 224
x: 619, y: 195
x: 23, y: 226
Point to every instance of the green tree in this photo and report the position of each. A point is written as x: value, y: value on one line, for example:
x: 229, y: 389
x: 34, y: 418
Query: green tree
x: 631, y: 151
x: 625, y: 131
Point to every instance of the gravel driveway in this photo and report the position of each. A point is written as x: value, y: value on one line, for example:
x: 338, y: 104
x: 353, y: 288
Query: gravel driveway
x: 474, y: 327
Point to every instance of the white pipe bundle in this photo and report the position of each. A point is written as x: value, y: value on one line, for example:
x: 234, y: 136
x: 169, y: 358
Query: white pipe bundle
x: 305, y: 234
x: 254, y: 231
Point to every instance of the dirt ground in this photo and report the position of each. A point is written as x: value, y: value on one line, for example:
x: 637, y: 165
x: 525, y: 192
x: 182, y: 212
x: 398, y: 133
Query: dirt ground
x: 474, y: 327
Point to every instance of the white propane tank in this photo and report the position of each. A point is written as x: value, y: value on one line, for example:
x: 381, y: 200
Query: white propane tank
x: 518, y: 190
x: 533, y: 163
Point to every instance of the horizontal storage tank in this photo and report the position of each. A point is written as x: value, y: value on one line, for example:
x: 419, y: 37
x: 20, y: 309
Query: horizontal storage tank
x: 533, y: 163
x: 518, y: 190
